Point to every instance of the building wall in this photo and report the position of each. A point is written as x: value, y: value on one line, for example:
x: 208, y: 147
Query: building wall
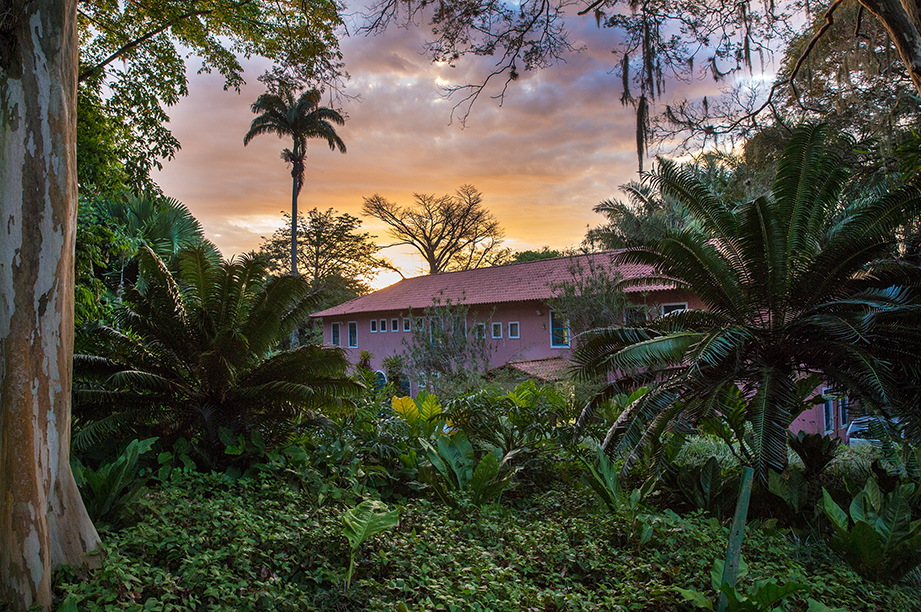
x: 533, y: 318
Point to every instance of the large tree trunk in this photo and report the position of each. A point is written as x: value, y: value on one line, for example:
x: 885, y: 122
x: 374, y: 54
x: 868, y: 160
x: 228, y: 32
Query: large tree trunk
x: 902, y: 18
x: 43, y: 522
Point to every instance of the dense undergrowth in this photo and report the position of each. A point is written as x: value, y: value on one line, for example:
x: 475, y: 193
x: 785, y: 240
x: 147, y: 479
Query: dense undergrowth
x: 210, y: 542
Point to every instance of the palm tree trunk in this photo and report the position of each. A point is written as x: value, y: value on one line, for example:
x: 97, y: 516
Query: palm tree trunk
x: 294, y: 191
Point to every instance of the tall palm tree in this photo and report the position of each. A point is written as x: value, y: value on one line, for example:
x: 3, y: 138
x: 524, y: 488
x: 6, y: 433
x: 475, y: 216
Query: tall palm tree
x: 199, y: 357
x: 300, y: 118
x: 796, y: 284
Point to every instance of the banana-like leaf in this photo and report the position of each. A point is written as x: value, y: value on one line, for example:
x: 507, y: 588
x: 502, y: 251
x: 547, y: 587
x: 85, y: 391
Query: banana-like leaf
x: 366, y: 519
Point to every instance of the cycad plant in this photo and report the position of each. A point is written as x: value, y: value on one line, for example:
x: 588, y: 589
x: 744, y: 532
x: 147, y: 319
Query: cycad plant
x: 794, y: 284
x: 194, y: 356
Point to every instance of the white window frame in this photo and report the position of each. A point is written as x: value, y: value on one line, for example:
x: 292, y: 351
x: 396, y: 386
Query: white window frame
x: 844, y: 415
x: 494, y: 327
x: 383, y: 326
x: 479, y: 330
x: 335, y: 334
x: 828, y: 410
x: 568, y: 332
x: 373, y: 326
x: 353, y: 325
x: 394, y: 325
x: 407, y: 324
x: 517, y: 333
x: 675, y: 307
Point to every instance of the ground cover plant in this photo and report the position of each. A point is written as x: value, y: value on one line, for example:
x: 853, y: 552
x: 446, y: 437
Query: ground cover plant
x: 207, y: 541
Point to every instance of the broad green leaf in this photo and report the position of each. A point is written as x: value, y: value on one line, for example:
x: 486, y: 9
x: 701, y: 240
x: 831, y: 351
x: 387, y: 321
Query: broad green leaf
x: 696, y: 597
x: 834, y: 512
x: 485, y: 472
x: 366, y: 519
x: 766, y: 593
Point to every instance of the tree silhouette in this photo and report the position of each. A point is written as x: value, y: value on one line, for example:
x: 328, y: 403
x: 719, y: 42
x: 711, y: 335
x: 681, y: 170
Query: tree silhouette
x: 300, y: 118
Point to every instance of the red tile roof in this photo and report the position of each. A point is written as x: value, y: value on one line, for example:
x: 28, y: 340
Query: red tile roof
x: 549, y: 369
x: 518, y: 282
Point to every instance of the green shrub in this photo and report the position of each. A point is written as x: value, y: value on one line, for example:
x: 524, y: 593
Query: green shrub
x: 880, y: 540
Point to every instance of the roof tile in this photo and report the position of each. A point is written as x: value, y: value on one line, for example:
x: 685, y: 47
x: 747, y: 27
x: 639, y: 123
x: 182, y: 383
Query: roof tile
x: 518, y: 282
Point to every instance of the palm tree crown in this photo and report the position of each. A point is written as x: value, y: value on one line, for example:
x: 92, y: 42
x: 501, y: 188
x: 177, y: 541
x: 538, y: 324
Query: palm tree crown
x: 797, y: 284
x: 198, y: 356
x: 300, y: 118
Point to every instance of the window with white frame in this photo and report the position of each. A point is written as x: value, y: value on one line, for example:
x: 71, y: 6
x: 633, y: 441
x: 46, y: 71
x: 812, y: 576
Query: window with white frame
x: 677, y: 306
x: 559, y: 330
x: 479, y: 331
x: 407, y: 324
x: 842, y: 411
x: 828, y: 412
x: 353, y: 334
x: 383, y: 325
x: 373, y: 326
x: 334, y: 334
x: 497, y: 330
x: 394, y: 325
x: 513, y: 330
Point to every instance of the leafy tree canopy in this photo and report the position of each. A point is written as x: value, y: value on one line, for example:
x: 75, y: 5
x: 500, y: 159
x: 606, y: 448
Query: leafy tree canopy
x: 133, y: 62
x: 335, y: 257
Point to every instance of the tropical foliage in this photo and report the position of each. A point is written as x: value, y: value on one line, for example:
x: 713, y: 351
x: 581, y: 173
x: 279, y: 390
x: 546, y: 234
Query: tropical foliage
x: 194, y: 357
x: 792, y: 284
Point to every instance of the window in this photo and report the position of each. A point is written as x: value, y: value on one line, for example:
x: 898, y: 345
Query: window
x: 496, y: 330
x: 353, y: 334
x: 334, y: 334
x: 407, y: 326
x: 383, y: 325
x: 380, y: 380
x: 373, y: 326
x: 559, y: 330
x: 394, y: 325
x: 828, y: 412
x: 842, y: 410
x: 479, y: 331
x: 669, y: 308
x: 513, y: 329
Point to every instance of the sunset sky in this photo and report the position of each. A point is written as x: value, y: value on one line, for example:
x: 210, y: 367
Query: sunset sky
x: 559, y: 145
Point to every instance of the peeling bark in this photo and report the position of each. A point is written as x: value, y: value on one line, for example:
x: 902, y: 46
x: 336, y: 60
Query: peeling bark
x: 43, y: 522
x: 903, y: 22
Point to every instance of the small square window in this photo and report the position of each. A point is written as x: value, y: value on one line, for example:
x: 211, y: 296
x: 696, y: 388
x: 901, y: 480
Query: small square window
x: 373, y: 326
x: 394, y: 325
x: 407, y: 325
x: 334, y: 334
x: 496, y: 330
x: 513, y: 330
x: 383, y: 325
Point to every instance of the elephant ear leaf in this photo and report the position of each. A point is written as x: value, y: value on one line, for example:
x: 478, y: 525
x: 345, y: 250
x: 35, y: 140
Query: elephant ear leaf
x: 366, y: 519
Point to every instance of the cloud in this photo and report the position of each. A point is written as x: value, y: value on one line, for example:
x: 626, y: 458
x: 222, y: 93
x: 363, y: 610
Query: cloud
x: 560, y: 143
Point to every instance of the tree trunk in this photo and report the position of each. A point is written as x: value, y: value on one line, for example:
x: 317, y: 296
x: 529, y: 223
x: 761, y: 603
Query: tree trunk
x: 43, y: 522
x: 294, y: 191
x: 902, y: 19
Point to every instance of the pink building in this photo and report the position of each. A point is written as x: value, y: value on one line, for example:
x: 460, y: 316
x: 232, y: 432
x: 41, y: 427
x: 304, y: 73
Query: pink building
x: 508, y: 303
